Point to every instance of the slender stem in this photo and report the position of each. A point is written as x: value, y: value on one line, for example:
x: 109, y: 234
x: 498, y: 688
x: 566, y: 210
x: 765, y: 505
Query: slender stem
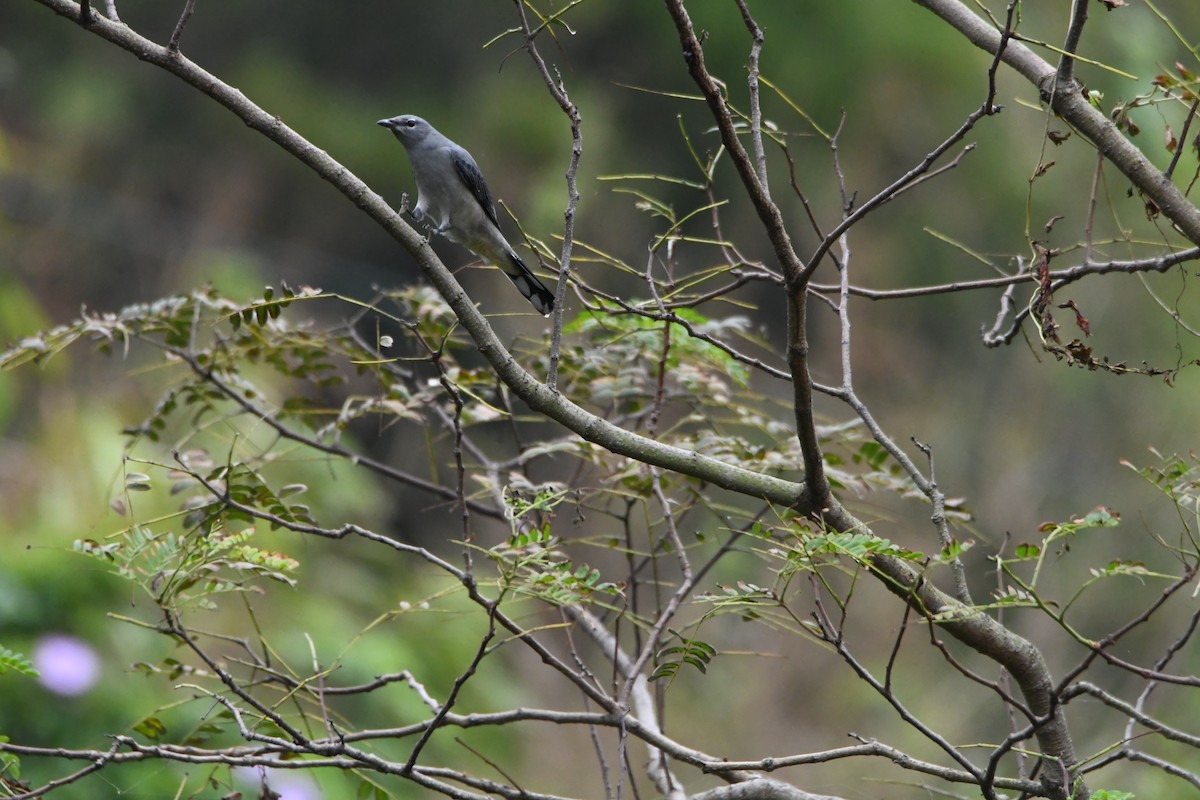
x: 1183, y: 137
x: 189, y: 7
x: 1066, y: 62
x: 558, y: 90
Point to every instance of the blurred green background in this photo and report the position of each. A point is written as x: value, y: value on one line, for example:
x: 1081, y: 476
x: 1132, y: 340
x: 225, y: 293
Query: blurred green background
x: 118, y: 184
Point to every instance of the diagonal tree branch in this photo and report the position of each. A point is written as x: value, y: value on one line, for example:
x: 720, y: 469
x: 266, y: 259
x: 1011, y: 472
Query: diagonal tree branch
x: 974, y: 628
x: 1070, y: 101
x: 535, y: 394
x: 818, y: 494
x: 970, y: 626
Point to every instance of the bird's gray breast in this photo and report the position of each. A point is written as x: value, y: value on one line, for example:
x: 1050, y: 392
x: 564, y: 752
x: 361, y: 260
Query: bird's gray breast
x: 436, y: 181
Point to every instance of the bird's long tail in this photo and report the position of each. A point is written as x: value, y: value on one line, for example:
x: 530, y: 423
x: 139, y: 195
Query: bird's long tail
x: 529, y: 285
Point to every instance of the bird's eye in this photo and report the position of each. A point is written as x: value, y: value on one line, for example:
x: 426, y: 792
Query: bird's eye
x: 410, y: 123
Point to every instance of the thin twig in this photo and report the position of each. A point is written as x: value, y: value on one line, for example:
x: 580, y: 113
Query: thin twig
x: 1062, y: 277
x: 189, y: 7
x: 1066, y: 62
x: 1182, y: 141
x: 1005, y: 35
x: 459, y: 682
x: 756, y: 38
x: 558, y: 90
x: 889, y: 192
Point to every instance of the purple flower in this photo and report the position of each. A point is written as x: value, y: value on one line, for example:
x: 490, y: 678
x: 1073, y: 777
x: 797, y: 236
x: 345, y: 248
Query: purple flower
x: 68, y: 665
x: 289, y: 784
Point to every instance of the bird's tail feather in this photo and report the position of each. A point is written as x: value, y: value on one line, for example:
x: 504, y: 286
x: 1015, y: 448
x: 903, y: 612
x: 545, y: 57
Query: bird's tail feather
x: 529, y: 285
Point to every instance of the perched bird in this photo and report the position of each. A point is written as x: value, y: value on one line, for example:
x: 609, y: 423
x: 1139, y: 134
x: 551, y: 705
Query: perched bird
x: 452, y: 194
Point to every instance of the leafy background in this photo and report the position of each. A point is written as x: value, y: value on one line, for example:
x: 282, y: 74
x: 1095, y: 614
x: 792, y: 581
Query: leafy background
x: 119, y: 185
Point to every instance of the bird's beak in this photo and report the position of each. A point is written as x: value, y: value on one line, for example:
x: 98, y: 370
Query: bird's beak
x: 387, y: 123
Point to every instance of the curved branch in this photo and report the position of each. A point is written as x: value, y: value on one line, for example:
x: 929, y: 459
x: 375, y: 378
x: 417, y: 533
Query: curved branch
x: 818, y: 494
x: 1131, y: 711
x: 976, y: 629
x: 1060, y: 277
x: 1070, y: 101
x: 869, y: 748
x: 537, y: 396
x: 768, y: 212
x: 973, y: 627
x: 209, y: 376
x: 559, y: 92
x: 982, y: 633
x: 760, y: 789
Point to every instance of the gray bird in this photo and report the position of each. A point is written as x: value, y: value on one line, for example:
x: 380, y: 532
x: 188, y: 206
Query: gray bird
x: 452, y: 194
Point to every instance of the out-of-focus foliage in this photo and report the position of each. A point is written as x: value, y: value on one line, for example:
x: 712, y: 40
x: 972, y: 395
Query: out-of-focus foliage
x: 119, y: 187
x: 214, y: 474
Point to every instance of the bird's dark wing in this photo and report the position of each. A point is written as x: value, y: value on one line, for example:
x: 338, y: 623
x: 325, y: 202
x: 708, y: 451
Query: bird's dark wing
x: 473, y: 178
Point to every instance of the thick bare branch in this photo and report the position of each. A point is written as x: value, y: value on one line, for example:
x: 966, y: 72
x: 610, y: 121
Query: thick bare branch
x: 818, y: 494
x: 1070, y: 101
x: 760, y: 789
x: 536, y: 395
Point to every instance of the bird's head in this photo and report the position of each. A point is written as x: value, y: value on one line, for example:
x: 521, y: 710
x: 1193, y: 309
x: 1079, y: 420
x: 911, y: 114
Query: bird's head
x: 407, y: 128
